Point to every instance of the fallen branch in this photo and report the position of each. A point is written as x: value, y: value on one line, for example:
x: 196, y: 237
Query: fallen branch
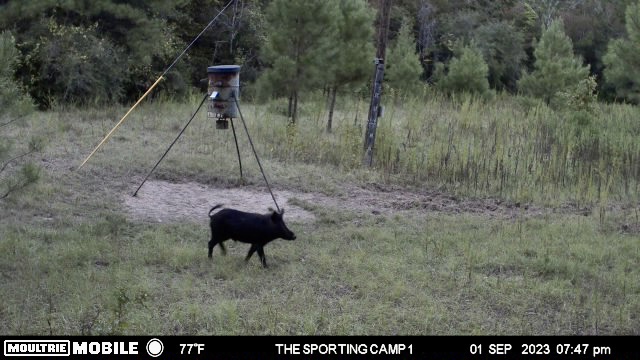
x: 12, y: 120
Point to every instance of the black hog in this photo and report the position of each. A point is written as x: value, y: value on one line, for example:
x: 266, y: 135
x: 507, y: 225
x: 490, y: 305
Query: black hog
x: 255, y: 229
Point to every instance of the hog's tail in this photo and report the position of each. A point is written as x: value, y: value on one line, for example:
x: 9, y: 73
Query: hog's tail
x: 213, y: 208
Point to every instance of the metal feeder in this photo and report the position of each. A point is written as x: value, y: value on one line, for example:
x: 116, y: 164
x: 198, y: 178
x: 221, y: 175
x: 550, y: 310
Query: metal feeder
x: 224, y: 86
x: 223, y: 95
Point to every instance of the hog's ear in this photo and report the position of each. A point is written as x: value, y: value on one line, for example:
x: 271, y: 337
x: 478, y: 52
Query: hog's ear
x: 270, y: 209
x: 282, y: 211
x: 275, y: 217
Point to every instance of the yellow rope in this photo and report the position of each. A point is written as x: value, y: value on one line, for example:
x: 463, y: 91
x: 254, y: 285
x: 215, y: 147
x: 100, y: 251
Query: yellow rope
x: 121, y: 120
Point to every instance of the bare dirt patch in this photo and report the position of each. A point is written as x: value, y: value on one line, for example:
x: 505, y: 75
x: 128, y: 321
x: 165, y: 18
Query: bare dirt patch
x: 162, y: 201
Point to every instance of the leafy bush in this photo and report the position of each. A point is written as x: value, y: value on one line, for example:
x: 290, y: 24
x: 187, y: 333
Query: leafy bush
x: 15, y: 105
x: 73, y: 64
x: 13, y: 101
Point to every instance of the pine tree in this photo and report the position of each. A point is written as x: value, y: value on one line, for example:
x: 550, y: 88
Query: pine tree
x: 556, y: 68
x: 502, y: 46
x: 403, y: 68
x: 235, y: 38
x: 353, y: 61
x: 299, y: 47
x: 622, y: 58
x: 468, y: 72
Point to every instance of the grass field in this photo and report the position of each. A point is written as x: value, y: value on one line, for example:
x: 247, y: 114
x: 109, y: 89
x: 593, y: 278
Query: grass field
x: 560, y: 257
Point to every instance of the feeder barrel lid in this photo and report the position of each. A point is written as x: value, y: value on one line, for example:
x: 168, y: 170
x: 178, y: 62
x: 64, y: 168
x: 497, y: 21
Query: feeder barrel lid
x: 223, y: 69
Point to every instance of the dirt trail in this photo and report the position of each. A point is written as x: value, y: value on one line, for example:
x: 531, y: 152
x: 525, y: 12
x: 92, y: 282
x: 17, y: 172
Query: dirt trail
x: 162, y: 201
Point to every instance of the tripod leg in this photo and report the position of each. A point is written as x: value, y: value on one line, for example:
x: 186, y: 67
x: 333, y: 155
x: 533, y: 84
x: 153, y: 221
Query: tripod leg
x: 170, y: 146
x: 237, y: 148
x: 244, y: 124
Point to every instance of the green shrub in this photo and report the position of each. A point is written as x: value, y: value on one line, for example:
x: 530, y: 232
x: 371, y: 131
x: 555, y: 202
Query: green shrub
x: 467, y: 73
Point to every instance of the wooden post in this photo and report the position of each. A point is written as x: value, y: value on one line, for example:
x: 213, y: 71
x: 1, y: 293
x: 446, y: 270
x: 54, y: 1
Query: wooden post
x: 384, y: 9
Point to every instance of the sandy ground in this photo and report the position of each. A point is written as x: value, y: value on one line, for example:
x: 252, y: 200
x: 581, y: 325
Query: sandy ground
x: 161, y: 201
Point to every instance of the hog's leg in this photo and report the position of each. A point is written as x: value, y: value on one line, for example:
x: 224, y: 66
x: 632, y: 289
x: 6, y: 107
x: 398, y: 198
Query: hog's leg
x: 253, y: 249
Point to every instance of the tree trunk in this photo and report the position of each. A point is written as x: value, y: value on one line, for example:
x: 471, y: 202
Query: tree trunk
x: 290, y: 111
x: 332, y: 93
x: 294, y: 114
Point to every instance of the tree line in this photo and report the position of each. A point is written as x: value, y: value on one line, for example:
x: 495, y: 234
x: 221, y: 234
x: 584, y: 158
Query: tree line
x: 106, y: 51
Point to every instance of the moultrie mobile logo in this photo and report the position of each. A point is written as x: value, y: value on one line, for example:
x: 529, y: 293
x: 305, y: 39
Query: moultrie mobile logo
x: 37, y: 348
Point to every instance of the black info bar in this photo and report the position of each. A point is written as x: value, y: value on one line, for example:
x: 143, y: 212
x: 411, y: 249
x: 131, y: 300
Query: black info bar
x: 351, y: 347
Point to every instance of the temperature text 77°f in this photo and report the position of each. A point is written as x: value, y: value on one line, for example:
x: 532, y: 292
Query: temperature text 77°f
x: 188, y: 349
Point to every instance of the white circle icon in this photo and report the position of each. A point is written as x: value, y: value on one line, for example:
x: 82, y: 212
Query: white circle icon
x: 155, y: 347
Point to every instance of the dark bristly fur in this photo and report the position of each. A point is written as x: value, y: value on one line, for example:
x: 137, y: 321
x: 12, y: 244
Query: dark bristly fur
x: 255, y: 229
